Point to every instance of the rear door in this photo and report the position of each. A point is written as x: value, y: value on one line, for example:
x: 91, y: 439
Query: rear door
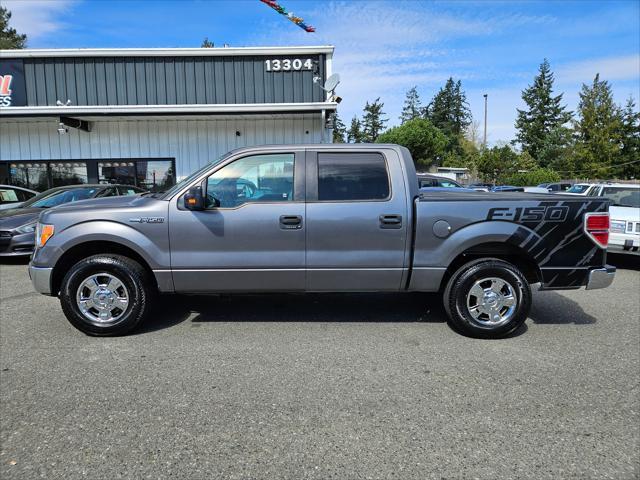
x: 356, y: 220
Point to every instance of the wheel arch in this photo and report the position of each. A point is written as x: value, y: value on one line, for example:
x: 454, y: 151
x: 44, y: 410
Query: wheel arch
x: 506, y: 252
x: 87, y: 249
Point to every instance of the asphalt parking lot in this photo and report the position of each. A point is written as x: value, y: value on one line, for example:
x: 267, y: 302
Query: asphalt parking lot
x: 351, y: 386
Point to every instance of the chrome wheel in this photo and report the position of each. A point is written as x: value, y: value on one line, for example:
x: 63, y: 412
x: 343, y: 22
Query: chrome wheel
x: 102, y: 299
x: 492, y: 302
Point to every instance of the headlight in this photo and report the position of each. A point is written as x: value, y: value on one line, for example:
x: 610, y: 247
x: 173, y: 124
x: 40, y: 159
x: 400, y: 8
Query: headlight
x: 28, y: 228
x: 618, y: 226
x: 43, y: 233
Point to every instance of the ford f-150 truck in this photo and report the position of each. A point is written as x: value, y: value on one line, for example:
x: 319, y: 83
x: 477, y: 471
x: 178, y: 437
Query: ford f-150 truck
x: 318, y: 218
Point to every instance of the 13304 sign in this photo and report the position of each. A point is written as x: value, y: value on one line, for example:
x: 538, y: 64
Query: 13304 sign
x: 288, y: 64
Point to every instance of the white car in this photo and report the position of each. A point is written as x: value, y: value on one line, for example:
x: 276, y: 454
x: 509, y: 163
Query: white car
x: 624, y: 232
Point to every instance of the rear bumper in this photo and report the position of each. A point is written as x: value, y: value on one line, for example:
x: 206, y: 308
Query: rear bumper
x: 41, y: 279
x: 601, y: 277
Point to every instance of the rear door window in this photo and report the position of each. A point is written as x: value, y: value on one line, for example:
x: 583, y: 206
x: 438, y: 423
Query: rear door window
x: 352, y: 177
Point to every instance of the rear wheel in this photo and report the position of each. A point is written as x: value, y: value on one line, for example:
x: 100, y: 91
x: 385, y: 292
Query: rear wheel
x: 487, y: 298
x: 106, y: 295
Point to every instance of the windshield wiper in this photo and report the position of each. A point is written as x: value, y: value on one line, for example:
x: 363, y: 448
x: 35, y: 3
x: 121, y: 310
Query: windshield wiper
x: 623, y: 205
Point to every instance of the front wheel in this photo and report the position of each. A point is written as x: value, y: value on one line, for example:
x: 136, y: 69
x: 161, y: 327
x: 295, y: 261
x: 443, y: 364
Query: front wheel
x: 487, y: 298
x: 106, y: 295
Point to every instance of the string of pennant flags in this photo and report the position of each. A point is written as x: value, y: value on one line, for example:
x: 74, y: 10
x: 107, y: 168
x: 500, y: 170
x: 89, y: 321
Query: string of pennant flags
x: 283, y: 11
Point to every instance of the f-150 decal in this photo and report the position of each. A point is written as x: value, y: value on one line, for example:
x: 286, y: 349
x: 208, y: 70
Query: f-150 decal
x: 529, y: 214
x: 147, y: 220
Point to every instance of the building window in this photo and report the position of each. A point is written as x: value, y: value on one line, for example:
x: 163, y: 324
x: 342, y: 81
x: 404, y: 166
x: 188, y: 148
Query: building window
x: 123, y: 173
x: 68, y: 173
x: 155, y: 175
x: 152, y: 175
x: 44, y: 175
x: 30, y: 175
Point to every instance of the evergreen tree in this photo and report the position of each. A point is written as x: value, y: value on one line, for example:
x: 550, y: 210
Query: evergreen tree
x: 206, y: 43
x: 354, y: 134
x: 9, y: 38
x: 372, y: 121
x: 598, y: 130
x: 339, y: 129
x: 544, y: 114
x: 630, y: 133
x: 449, y: 110
x: 412, y: 106
x: 557, y: 150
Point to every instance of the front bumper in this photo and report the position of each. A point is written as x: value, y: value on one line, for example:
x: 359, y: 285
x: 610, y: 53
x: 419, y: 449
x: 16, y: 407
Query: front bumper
x: 16, y: 244
x: 601, y: 277
x: 41, y: 279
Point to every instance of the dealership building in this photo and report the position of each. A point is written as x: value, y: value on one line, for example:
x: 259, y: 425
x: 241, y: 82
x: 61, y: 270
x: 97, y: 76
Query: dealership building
x: 149, y: 117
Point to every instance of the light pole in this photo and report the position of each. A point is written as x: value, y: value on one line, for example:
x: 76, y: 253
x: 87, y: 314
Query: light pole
x: 484, y: 140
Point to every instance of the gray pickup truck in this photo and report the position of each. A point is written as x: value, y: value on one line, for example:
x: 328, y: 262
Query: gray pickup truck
x: 318, y: 218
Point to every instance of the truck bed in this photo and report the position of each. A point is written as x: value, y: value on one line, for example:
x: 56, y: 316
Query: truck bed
x: 546, y: 229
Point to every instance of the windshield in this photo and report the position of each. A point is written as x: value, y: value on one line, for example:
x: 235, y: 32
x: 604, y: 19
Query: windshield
x: 623, y: 197
x: 58, y: 197
x: 578, y: 189
x: 185, y: 181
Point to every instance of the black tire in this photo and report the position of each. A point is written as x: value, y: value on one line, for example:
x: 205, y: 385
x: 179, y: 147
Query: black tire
x: 133, y: 277
x: 456, y: 298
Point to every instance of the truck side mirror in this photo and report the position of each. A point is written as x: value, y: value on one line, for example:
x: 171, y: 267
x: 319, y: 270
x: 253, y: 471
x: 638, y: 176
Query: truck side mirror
x: 193, y: 199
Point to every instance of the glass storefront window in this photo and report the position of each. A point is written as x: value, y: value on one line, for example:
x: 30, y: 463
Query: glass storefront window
x: 121, y: 172
x: 68, y: 173
x: 41, y: 175
x: 156, y: 175
x: 30, y: 175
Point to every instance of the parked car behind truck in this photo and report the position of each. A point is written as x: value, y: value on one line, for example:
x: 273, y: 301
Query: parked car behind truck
x: 625, y: 215
x: 318, y: 218
x: 18, y: 224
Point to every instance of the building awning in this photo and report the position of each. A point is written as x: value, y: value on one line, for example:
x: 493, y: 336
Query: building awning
x: 193, y: 109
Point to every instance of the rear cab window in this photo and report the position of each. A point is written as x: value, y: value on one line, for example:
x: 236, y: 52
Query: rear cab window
x: 352, y: 177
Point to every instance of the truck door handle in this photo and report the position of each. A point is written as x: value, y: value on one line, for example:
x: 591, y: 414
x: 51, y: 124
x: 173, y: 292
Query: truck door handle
x: 391, y: 221
x: 290, y: 222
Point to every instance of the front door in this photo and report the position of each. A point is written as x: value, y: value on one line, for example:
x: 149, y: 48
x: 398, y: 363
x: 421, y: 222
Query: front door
x: 251, y: 237
x: 356, y: 221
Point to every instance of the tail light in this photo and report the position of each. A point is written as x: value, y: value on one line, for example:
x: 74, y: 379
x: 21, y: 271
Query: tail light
x: 596, y: 225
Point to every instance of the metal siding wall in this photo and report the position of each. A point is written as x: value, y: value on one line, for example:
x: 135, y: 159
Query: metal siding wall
x: 191, y: 142
x: 167, y: 80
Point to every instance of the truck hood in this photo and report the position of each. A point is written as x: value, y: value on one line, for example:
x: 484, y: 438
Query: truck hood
x: 108, y: 203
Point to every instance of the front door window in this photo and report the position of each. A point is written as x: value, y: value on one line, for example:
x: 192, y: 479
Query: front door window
x: 258, y: 178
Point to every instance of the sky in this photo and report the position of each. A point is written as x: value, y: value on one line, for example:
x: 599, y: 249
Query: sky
x: 382, y: 48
